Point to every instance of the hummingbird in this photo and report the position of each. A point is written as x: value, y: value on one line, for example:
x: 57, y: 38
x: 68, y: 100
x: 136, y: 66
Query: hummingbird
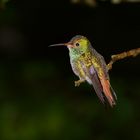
x: 91, y: 67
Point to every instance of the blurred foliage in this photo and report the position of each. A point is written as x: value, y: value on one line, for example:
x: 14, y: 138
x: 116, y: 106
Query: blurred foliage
x: 94, y: 3
x: 37, y: 93
x: 3, y: 3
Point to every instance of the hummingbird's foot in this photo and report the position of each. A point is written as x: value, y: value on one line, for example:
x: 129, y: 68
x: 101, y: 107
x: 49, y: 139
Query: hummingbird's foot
x: 77, y: 83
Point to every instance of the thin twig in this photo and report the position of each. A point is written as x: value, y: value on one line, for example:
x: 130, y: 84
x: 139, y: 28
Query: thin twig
x: 116, y: 57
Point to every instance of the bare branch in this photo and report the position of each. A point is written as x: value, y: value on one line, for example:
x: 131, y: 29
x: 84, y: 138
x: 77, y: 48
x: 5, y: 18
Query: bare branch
x: 116, y: 57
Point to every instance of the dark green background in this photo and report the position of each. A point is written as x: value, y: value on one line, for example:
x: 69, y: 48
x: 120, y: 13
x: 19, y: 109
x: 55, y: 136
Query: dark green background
x: 38, y: 100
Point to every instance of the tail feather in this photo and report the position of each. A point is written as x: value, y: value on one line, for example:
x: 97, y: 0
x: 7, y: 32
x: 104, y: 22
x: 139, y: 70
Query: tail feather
x: 113, y: 93
x: 109, y: 92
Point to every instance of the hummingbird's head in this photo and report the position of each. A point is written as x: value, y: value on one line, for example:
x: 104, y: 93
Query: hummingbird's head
x: 78, y: 42
x: 77, y: 45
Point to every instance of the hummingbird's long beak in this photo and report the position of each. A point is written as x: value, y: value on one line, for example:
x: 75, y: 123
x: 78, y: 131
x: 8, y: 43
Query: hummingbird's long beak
x: 61, y: 44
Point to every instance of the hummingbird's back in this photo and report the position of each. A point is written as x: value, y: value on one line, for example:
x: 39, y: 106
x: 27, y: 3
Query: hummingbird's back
x: 100, y: 61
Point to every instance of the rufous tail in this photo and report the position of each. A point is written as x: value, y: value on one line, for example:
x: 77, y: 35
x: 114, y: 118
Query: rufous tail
x: 109, y: 92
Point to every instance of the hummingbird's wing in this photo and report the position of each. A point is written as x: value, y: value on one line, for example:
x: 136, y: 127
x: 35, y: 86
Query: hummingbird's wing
x: 93, y: 76
x: 90, y: 75
x: 104, y: 79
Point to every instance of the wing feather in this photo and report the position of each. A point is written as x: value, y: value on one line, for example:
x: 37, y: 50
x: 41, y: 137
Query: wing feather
x: 93, y: 76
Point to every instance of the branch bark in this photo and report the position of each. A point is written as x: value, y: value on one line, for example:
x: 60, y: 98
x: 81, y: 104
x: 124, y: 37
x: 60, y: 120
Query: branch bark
x: 116, y: 57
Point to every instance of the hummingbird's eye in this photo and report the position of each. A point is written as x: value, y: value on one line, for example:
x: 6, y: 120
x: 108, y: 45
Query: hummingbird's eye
x: 77, y: 44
